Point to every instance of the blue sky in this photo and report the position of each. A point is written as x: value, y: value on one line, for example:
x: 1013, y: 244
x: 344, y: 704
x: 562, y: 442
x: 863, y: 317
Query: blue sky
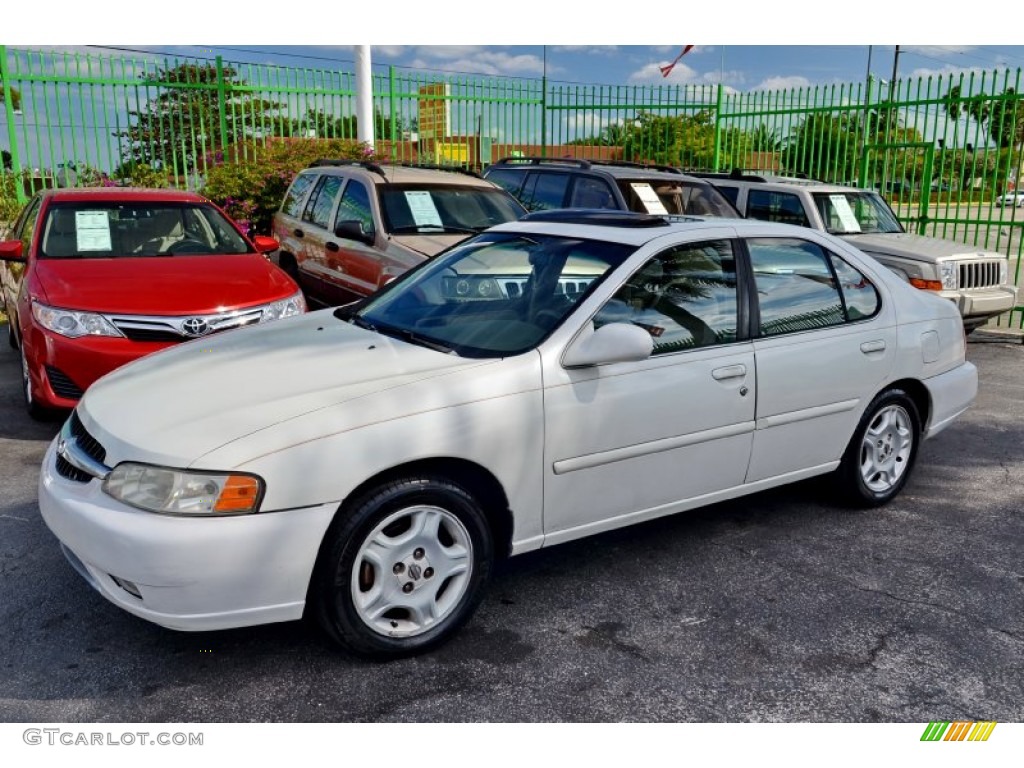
x: 739, y: 67
x: 811, y: 43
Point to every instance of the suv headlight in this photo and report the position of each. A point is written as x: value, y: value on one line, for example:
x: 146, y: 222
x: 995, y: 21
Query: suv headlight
x: 176, y: 492
x: 72, y: 324
x: 948, y: 273
x: 293, y: 305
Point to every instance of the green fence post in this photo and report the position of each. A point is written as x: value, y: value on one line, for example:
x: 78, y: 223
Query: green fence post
x: 544, y: 113
x: 12, y: 135
x: 392, y: 110
x: 717, y: 158
x: 222, y: 103
x: 862, y: 173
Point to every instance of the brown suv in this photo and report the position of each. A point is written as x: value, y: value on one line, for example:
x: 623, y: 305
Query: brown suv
x: 347, y: 227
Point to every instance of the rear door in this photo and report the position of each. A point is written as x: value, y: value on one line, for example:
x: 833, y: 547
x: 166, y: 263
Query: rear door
x: 826, y: 343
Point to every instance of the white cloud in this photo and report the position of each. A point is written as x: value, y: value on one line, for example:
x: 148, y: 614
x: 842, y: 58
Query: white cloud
x: 779, y: 83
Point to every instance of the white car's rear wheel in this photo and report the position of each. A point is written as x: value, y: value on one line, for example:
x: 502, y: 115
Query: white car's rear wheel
x: 881, y: 453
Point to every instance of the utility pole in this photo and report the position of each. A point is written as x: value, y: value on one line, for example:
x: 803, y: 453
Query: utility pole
x: 364, y: 96
x: 895, y: 70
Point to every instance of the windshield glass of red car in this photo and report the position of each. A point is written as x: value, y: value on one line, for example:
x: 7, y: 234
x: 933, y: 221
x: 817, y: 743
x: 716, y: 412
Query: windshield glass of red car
x: 105, y: 230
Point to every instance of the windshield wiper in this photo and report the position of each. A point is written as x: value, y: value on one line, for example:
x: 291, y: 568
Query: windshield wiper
x: 356, y: 320
x: 412, y: 337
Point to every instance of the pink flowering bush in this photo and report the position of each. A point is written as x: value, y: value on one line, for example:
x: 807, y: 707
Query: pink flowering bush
x: 250, y: 185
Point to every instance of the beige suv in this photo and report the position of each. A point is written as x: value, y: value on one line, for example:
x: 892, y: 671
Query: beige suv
x: 347, y: 227
x: 976, y: 280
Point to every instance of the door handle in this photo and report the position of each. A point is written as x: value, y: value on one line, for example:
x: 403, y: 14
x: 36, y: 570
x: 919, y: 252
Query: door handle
x: 332, y: 247
x: 298, y: 233
x: 729, y: 372
x: 872, y: 346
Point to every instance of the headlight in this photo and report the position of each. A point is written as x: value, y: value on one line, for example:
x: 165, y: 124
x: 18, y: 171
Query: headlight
x: 294, y: 305
x: 176, y: 492
x: 72, y: 324
x: 948, y: 275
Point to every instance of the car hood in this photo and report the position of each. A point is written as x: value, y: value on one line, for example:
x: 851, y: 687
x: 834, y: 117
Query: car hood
x: 915, y: 247
x: 428, y: 245
x: 176, y: 406
x: 161, y: 285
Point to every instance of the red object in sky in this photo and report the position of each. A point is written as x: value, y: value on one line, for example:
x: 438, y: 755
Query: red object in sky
x: 668, y: 67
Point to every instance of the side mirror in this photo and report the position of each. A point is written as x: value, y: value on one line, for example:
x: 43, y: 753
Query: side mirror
x: 612, y: 343
x: 11, y: 250
x: 353, y: 230
x: 265, y: 244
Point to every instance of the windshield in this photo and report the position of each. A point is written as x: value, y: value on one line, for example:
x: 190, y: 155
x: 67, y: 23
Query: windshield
x: 495, y: 295
x: 847, y: 213
x: 443, y: 209
x: 676, y: 197
x: 100, y: 229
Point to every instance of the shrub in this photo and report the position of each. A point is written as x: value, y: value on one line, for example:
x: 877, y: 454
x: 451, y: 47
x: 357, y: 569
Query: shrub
x: 251, y: 188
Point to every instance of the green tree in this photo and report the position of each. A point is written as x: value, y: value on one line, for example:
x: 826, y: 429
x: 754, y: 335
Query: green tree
x: 183, y: 121
x: 677, y: 140
x: 1001, y: 116
x: 823, y: 147
x: 318, y: 123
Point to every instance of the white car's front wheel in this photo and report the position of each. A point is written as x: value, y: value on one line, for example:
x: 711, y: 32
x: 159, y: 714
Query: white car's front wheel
x: 403, y: 568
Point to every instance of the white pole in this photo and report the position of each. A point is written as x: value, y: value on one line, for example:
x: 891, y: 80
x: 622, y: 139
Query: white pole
x: 364, y: 96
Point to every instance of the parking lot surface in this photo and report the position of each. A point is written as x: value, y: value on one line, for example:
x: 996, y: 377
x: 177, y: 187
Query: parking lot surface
x: 779, y: 607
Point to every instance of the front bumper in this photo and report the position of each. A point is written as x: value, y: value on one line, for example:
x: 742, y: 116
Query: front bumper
x: 181, y: 572
x: 60, y: 365
x: 981, y: 304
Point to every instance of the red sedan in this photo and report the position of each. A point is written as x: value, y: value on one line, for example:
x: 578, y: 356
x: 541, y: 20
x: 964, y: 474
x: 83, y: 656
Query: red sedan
x: 95, y: 278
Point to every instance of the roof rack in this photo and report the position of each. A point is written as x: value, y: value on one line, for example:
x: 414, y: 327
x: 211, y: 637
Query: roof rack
x: 341, y: 162
x: 738, y: 174
x: 641, y: 166
x: 571, y: 161
x: 602, y: 217
x: 450, y: 168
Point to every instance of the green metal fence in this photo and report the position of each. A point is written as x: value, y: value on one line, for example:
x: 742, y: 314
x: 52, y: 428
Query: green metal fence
x: 943, y: 150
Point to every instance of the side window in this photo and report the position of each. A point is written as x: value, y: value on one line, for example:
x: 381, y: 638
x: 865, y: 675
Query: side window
x: 355, y: 206
x: 292, y: 205
x: 684, y: 297
x: 796, y: 287
x: 859, y: 294
x: 731, y: 194
x: 325, y: 197
x: 589, y: 192
x: 508, y: 180
x: 28, y: 225
x: 544, y: 191
x: 782, y: 207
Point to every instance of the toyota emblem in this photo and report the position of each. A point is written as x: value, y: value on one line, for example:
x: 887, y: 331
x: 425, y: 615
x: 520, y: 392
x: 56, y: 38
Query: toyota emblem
x: 195, y: 326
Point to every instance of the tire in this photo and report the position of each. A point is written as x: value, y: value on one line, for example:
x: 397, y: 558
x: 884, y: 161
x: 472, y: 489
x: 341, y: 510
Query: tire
x: 403, y: 569
x: 35, y: 410
x: 881, y: 454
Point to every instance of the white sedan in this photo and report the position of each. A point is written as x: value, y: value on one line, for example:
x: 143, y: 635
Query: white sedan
x: 1011, y: 199
x: 549, y: 379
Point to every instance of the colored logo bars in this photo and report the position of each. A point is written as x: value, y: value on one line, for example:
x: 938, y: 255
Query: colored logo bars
x: 958, y: 730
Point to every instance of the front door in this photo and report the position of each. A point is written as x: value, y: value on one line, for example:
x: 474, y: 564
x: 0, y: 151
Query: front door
x: 628, y: 441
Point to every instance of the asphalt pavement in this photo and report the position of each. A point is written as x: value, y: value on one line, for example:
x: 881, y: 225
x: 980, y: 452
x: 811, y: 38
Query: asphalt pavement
x: 780, y: 607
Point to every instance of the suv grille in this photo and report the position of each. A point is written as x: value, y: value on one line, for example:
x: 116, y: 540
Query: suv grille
x: 979, y: 274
